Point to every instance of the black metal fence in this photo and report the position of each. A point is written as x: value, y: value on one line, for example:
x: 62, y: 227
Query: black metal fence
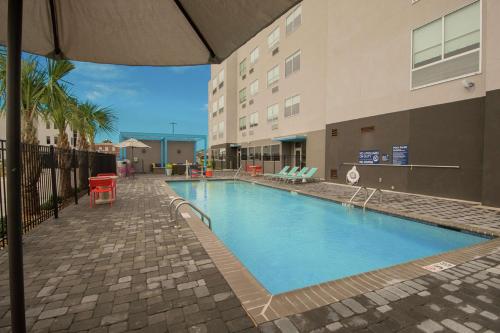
x: 51, y: 179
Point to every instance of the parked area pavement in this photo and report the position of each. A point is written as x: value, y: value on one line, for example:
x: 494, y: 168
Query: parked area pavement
x: 126, y: 268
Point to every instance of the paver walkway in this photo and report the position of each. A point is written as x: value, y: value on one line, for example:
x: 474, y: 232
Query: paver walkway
x: 125, y: 268
x: 121, y: 268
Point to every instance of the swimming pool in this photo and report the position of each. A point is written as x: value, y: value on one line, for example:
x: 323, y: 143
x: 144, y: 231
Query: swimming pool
x: 290, y: 241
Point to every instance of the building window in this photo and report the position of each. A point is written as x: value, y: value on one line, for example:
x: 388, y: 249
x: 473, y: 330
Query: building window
x: 244, y: 154
x: 214, y: 83
x: 292, y: 106
x: 272, y: 113
x: 48, y: 139
x: 221, y: 76
x: 275, y: 152
x: 258, y: 153
x: 254, y: 119
x: 254, y: 56
x: 254, y: 88
x: 294, y: 20
x: 214, y: 132
x: 243, y: 67
x: 214, y: 108
x: 251, y: 153
x: 243, y: 123
x: 273, y: 75
x: 75, y: 138
x: 221, y: 129
x: 47, y: 125
x: 292, y: 63
x: 56, y: 139
x: 243, y: 95
x: 448, y: 47
x: 273, y: 38
x: 266, y: 153
x: 221, y: 104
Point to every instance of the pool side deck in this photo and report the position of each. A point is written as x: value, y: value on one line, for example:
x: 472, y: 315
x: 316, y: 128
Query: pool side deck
x: 264, y: 307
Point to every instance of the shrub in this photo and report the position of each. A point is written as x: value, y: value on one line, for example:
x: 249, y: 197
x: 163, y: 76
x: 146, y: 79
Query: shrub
x: 49, y: 204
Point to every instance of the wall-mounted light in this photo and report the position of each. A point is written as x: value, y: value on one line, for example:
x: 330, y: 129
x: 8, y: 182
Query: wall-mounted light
x: 468, y: 84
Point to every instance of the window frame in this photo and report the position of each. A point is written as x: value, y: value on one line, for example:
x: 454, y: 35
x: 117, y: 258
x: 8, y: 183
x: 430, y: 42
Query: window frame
x: 251, y: 85
x: 278, y: 76
x: 244, y: 127
x: 243, y: 64
x: 294, y: 28
x: 292, y: 98
x: 443, y: 60
x: 291, y: 58
x: 253, y: 115
x: 223, y: 76
x: 275, y: 43
x: 274, y: 119
x: 221, y: 107
x: 257, y: 58
x: 244, y: 90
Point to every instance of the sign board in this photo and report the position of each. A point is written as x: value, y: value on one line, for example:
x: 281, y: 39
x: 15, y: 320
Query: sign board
x: 369, y: 157
x: 385, y: 157
x: 439, y: 266
x: 400, y: 154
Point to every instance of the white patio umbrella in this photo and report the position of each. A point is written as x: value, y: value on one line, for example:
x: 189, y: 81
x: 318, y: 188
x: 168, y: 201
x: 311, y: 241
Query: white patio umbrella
x: 132, y: 143
x: 130, y: 32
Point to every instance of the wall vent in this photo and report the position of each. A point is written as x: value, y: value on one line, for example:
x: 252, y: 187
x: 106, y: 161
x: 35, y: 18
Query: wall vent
x: 244, y: 105
x: 250, y: 102
x: 250, y: 132
x: 274, y: 127
x: 221, y: 85
x: 251, y: 70
x: 243, y: 133
x: 275, y: 89
x: 244, y: 76
x: 276, y: 51
x: 367, y: 129
x: 334, y: 132
x: 334, y: 173
x: 214, y: 91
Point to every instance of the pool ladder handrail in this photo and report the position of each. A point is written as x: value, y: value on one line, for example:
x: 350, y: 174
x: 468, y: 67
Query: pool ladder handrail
x: 371, y: 195
x: 237, y: 172
x: 202, y: 214
x: 173, y: 217
x: 356, y: 193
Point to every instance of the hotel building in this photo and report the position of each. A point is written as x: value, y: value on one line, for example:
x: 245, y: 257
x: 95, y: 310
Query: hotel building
x: 407, y: 90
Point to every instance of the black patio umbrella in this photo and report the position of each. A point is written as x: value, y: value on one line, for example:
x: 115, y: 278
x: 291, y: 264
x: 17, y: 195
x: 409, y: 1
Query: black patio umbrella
x: 129, y: 32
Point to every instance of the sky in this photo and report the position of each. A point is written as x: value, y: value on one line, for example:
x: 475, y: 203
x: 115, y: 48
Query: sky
x: 146, y: 99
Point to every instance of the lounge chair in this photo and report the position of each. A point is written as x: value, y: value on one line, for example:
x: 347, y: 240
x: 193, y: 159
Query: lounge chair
x: 305, y: 177
x: 290, y: 173
x: 300, y: 173
x: 281, y: 173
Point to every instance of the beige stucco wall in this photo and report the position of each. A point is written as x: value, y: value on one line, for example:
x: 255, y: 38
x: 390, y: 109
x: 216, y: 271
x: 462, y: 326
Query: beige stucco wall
x: 492, y: 41
x: 309, y: 82
x: 369, y: 53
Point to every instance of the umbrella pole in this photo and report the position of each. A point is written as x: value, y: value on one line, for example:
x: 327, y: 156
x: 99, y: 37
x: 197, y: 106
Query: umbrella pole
x: 14, y: 227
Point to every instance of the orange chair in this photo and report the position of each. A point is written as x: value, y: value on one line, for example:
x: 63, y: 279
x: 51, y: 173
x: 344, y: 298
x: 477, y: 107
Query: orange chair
x: 98, y: 186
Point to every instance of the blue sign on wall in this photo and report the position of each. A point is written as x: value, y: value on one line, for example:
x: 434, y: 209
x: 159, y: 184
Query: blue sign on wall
x: 400, y: 154
x: 369, y: 157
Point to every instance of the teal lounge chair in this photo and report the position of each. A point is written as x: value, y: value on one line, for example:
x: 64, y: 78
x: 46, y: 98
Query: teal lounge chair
x: 291, y: 172
x: 304, y: 178
x: 299, y: 174
x: 281, y: 173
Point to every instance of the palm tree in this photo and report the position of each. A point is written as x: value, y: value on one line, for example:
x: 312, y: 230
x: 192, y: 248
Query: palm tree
x: 60, y: 108
x: 89, y: 120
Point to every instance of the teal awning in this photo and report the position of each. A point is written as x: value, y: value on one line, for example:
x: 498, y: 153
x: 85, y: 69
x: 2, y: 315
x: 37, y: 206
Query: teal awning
x: 291, y: 138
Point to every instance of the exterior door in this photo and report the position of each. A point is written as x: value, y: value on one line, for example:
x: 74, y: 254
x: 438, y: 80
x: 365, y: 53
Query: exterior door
x: 298, y: 156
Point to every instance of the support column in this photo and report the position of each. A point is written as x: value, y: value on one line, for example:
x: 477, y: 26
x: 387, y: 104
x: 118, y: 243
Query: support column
x: 165, y: 150
x: 14, y: 221
x: 205, y: 153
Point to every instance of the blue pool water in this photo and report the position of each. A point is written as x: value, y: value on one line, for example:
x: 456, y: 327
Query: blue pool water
x: 289, y: 241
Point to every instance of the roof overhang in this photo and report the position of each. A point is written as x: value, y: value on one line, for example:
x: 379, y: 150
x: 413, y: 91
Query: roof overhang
x: 291, y: 138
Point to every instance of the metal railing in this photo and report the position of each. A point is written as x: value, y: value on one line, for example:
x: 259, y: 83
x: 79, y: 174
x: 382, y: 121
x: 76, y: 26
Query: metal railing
x: 175, y: 213
x: 371, y: 195
x: 50, y: 179
x: 358, y: 190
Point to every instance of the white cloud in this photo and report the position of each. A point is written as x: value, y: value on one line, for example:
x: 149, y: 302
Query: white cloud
x: 101, y: 90
x: 98, y: 71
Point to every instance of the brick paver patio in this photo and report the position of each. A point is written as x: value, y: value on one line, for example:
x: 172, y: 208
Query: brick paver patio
x: 126, y: 268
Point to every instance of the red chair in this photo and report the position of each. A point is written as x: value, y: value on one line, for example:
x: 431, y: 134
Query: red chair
x: 109, y: 174
x: 195, y: 173
x: 98, y: 186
